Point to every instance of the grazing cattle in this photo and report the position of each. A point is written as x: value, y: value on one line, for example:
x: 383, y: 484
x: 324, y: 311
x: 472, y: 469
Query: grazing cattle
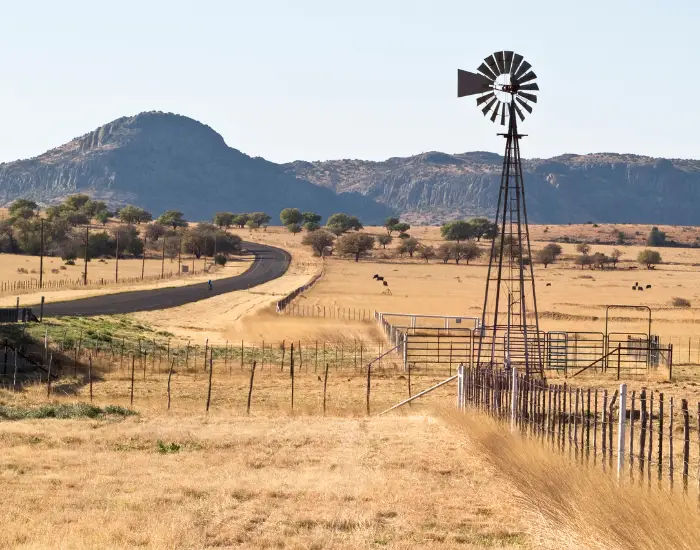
x: 634, y: 287
x: 375, y: 276
x: 385, y: 283
x: 380, y: 278
x: 640, y: 289
x: 648, y: 286
x: 548, y: 284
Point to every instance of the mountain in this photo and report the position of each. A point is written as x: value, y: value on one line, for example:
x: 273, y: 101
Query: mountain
x: 604, y: 187
x: 163, y: 161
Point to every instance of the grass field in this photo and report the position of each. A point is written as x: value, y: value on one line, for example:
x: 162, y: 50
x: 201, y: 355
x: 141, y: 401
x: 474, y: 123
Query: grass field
x: 421, y: 476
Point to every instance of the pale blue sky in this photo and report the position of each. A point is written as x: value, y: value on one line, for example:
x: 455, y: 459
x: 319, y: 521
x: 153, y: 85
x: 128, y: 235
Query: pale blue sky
x: 362, y: 79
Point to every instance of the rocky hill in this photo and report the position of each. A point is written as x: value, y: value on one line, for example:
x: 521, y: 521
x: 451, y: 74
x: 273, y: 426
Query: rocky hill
x: 604, y: 187
x: 164, y: 161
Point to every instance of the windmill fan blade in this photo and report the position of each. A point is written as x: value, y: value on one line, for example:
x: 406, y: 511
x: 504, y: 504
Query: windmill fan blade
x: 524, y: 105
x: 508, y: 56
x: 495, y: 112
x: 526, y: 78
x: 529, y: 97
x: 492, y: 65
x: 480, y: 100
x: 534, y: 87
x: 483, y: 69
x: 517, y: 58
x: 471, y: 83
x: 503, y: 114
x: 520, y: 113
x: 500, y: 62
x: 486, y: 109
x: 524, y: 67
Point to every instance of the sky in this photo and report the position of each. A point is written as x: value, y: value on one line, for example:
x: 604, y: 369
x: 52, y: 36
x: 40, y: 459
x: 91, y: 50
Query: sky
x: 319, y: 80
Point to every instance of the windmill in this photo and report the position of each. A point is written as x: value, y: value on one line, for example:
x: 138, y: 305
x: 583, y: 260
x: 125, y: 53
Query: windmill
x: 505, y: 87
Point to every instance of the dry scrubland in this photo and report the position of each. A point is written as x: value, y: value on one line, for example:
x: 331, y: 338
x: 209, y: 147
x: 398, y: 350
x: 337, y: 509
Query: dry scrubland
x: 423, y: 476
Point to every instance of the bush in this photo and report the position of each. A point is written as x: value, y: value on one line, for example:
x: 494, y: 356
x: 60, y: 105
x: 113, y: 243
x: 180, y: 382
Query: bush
x: 649, y: 258
x: 70, y: 261
x: 680, y: 302
x: 220, y: 259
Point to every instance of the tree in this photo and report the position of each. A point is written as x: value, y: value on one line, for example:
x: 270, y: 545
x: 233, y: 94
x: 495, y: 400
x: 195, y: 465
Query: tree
x: 615, y: 255
x: 293, y: 228
x: 311, y: 217
x: 154, y: 231
x: 384, y: 240
x: 355, y: 244
x: 22, y: 208
x: 467, y: 251
x: 318, y: 240
x: 172, y: 218
x: 102, y: 216
x: 134, y: 214
x: 583, y: 260
x: 444, y: 252
x: 76, y: 202
x: 291, y: 216
x: 456, y: 231
x: 599, y: 260
x: 389, y: 224
x: 545, y: 257
x: 402, y: 227
x: 483, y: 228
x: 129, y: 241
x: 409, y: 246
x: 426, y: 252
x: 649, y: 258
x: 341, y: 223
x: 240, y: 220
x: 548, y: 255
x: 260, y: 219
x: 205, y: 239
x: 583, y: 248
x: 656, y: 237
x: 311, y: 226
x: 223, y: 219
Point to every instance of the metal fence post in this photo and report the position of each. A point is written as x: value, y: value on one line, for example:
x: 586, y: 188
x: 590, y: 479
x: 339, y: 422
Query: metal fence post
x: 621, y: 430
x: 460, y: 387
x: 405, y: 353
x: 513, y: 398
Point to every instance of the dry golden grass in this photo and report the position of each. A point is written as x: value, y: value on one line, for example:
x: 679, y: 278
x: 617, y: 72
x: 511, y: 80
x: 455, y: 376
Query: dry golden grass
x: 581, y: 507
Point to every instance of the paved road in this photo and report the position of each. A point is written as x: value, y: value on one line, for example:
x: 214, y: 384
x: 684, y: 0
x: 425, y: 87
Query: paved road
x: 269, y: 263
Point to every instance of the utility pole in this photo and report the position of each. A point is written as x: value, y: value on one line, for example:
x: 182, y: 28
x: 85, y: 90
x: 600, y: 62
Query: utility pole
x: 41, y: 257
x: 179, y: 255
x: 87, y: 236
x: 143, y: 257
x: 116, y: 268
x: 162, y: 261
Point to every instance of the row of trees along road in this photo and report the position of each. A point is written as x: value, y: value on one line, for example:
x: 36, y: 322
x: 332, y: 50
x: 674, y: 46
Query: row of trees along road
x: 63, y: 228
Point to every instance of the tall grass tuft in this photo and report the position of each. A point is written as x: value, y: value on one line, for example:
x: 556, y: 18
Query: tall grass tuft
x: 582, y: 506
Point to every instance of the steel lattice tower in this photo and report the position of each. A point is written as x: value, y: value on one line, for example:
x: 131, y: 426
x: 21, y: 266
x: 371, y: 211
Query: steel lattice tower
x: 510, y: 333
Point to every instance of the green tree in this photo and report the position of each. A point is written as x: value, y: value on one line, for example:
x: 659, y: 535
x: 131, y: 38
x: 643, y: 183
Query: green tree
x: 22, y: 208
x: 102, y: 216
x: 260, y: 219
x: 384, y: 240
x: 456, y: 231
x: 656, y: 237
x: 172, y: 218
x: 134, y: 214
x: 224, y: 219
x: 583, y: 260
x: 389, y: 224
x: 401, y: 227
x: 598, y: 259
x: 444, y: 252
x: 311, y: 217
x: 291, y: 216
x: 649, y: 258
x: 154, y: 231
x: 220, y: 259
x: 311, y: 226
x: 341, y: 223
x: 355, y: 244
x: 483, y: 228
x: 293, y: 228
x: 240, y: 220
x: 318, y: 240
x: 548, y: 254
x: 615, y: 256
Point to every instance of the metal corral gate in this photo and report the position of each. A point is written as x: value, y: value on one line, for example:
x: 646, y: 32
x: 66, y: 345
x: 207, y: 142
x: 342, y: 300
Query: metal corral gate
x: 438, y: 346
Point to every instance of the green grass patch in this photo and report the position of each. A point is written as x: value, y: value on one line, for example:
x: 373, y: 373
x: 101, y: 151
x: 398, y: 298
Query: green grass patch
x: 168, y: 448
x: 72, y: 410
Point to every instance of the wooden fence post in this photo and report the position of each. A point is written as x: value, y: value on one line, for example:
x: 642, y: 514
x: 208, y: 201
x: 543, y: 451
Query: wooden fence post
x: 686, y: 439
x: 133, y: 366
x: 90, y: 375
x: 670, y: 442
x: 170, y: 375
x: 211, y: 370
x: 642, y: 430
x: 513, y: 398
x: 250, y: 388
x: 282, y: 362
x: 660, y: 455
x: 206, y: 348
x: 291, y: 370
x: 621, y: 430
x: 369, y: 379
x: 409, y: 382
x: 325, y: 383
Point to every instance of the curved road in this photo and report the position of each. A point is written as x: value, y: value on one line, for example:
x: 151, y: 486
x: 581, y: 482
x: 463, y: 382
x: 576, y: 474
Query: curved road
x: 269, y: 263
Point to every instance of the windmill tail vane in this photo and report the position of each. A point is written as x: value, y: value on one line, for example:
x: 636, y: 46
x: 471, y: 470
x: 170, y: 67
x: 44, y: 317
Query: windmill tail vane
x: 505, y: 86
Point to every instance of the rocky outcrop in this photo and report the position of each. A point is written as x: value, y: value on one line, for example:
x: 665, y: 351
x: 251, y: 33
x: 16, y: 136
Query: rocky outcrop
x: 164, y: 161
x: 604, y: 187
